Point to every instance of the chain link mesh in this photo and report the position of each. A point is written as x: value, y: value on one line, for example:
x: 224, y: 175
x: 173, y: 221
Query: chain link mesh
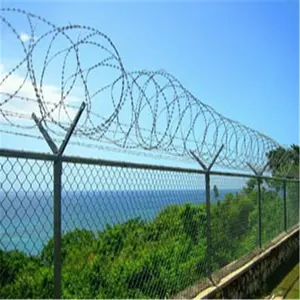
x: 234, y: 222
x: 26, y: 212
x: 129, y: 232
x: 272, y: 209
x: 292, y: 205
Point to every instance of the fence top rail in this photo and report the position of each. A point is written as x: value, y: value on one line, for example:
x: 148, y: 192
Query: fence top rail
x: 26, y: 154
x: 102, y: 162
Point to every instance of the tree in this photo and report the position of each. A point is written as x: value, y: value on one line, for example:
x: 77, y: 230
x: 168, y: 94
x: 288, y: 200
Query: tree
x: 216, y: 192
x: 284, y: 162
x: 148, y: 259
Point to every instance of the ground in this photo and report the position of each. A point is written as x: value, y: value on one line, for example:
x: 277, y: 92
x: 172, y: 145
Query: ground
x: 288, y: 288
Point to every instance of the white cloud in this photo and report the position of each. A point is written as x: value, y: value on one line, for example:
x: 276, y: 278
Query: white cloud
x: 51, y: 95
x: 24, y: 37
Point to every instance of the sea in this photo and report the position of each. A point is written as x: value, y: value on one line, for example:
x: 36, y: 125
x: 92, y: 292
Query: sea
x: 27, y: 216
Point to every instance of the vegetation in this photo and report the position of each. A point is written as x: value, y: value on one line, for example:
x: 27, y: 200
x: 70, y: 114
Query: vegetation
x: 216, y: 192
x: 151, y: 259
x: 285, y: 162
x: 283, y: 282
x: 288, y: 288
x: 144, y: 259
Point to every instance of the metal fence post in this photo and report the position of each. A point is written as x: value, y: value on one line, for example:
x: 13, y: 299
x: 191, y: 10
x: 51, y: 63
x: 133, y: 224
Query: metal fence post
x: 57, y: 170
x: 208, y: 213
x: 259, y: 181
x: 284, y: 205
x: 57, y: 173
x: 208, y: 223
x: 297, y: 198
x: 259, y: 211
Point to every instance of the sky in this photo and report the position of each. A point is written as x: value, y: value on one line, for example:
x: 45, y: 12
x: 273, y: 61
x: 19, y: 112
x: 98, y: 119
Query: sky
x: 239, y: 57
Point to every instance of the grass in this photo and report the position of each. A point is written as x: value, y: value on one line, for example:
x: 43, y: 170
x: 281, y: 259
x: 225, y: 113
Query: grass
x: 284, y: 282
x: 288, y: 288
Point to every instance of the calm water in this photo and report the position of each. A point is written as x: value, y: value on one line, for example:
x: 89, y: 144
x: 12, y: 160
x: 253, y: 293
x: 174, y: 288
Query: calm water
x: 27, y: 217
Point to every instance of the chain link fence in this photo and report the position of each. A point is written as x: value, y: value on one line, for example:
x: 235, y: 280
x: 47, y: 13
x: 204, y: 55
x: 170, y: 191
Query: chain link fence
x: 141, y: 231
x: 128, y: 230
x: 234, y: 218
x: 26, y: 210
x: 292, y: 203
x: 272, y: 209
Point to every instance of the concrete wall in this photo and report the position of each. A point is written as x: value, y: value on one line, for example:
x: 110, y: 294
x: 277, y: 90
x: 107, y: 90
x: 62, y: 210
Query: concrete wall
x: 246, y: 277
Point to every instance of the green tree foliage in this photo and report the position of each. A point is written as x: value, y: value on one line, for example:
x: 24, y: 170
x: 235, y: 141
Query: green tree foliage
x: 216, y: 192
x: 284, y: 162
x: 147, y: 259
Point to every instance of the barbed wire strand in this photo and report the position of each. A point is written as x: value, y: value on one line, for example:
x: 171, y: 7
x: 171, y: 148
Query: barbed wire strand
x: 161, y: 115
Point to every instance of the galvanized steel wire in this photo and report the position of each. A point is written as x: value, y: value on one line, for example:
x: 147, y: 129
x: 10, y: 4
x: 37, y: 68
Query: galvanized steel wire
x: 146, y: 111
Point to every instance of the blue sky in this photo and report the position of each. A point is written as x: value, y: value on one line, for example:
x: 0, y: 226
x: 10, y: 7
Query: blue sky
x: 240, y: 57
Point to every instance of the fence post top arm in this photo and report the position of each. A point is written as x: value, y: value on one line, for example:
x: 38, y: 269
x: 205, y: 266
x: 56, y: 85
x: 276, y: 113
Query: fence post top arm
x: 264, y: 168
x: 215, y: 158
x: 71, y: 129
x: 50, y: 141
x: 286, y: 177
x: 258, y: 174
x: 201, y: 163
x: 45, y: 134
x: 252, y: 168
